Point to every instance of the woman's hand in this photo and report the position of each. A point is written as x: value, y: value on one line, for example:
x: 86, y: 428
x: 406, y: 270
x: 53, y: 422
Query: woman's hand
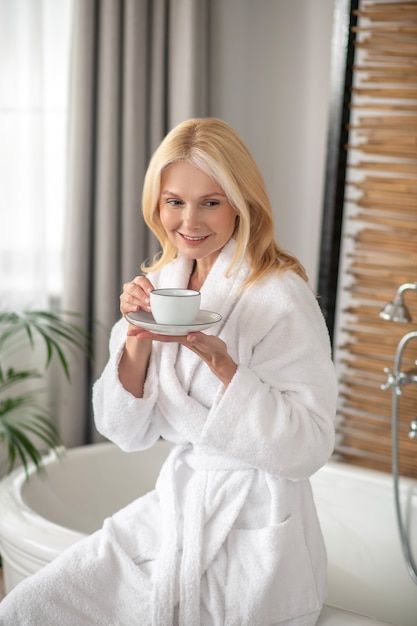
x: 134, y: 362
x: 210, y: 349
x: 135, y: 296
x: 213, y: 351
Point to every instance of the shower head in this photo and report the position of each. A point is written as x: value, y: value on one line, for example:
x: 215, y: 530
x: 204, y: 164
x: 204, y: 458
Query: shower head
x: 396, y: 310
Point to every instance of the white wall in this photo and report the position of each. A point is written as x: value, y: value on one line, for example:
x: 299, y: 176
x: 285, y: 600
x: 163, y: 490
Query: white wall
x: 270, y: 71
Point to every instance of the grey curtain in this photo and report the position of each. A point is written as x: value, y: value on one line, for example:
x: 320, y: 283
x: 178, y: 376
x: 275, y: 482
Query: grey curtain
x: 138, y: 68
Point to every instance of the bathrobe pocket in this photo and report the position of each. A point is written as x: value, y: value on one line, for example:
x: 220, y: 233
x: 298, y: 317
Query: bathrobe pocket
x: 270, y: 577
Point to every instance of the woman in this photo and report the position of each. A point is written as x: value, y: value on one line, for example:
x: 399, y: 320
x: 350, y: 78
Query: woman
x: 230, y: 535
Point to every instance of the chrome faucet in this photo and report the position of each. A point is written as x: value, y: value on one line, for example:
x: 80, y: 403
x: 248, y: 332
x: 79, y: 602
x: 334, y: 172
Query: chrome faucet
x: 398, y: 312
x: 397, y: 378
x: 402, y: 378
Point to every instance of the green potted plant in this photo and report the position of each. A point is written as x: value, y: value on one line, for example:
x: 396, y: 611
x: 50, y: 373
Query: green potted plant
x: 27, y: 429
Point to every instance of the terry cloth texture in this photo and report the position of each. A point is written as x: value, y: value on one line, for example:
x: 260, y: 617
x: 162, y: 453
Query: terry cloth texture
x: 230, y: 535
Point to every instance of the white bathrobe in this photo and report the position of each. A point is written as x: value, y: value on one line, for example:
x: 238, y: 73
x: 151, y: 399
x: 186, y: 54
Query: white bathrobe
x: 230, y: 535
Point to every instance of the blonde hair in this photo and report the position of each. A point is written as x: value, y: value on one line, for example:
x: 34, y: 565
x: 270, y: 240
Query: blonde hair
x: 214, y: 147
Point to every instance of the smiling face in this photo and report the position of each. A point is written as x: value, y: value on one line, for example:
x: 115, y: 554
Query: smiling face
x: 195, y: 213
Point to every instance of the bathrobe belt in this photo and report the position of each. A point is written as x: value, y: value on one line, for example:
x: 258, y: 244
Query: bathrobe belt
x: 173, y: 582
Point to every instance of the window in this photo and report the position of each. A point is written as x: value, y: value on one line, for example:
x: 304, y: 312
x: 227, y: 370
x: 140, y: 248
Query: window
x: 34, y: 66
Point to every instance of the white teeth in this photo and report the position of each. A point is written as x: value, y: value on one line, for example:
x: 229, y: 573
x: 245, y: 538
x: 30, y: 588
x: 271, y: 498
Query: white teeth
x: 193, y: 238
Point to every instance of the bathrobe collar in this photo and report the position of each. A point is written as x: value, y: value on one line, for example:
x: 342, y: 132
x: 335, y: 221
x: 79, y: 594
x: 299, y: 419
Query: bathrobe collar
x: 219, y: 291
x: 179, y: 365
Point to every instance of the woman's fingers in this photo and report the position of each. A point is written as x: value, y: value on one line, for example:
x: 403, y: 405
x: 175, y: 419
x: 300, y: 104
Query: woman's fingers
x: 213, y: 351
x: 135, y: 295
x: 210, y: 349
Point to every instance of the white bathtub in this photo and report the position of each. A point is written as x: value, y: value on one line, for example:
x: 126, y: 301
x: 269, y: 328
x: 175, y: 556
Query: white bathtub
x: 41, y: 517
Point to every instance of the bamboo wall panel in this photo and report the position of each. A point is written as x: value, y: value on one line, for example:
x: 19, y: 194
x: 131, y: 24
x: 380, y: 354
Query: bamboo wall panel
x: 380, y: 236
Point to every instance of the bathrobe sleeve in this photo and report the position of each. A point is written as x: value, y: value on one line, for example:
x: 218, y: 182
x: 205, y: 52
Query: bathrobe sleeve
x: 120, y: 416
x: 277, y: 414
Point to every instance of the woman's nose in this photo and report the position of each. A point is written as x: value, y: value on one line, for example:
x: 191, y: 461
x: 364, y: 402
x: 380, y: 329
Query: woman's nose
x: 191, y: 218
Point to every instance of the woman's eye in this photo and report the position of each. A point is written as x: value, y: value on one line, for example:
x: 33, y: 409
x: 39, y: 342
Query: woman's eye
x: 174, y: 202
x: 212, y: 203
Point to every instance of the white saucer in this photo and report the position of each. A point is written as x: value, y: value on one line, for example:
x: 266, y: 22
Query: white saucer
x: 145, y: 320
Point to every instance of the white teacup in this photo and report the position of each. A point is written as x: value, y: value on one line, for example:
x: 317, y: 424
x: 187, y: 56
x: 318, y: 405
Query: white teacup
x: 178, y: 307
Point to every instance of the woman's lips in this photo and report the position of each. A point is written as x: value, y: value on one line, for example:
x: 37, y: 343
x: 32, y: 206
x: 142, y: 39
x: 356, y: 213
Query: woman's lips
x: 193, y: 240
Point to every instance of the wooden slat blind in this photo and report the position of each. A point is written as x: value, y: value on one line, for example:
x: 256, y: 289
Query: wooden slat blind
x: 380, y: 236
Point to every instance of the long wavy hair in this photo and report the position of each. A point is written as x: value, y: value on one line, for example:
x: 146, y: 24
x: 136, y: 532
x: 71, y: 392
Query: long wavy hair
x: 214, y: 147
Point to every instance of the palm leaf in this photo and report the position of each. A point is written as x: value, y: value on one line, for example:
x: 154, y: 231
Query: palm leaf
x: 57, y: 332
x: 23, y: 423
x: 12, y: 378
x: 20, y: 416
